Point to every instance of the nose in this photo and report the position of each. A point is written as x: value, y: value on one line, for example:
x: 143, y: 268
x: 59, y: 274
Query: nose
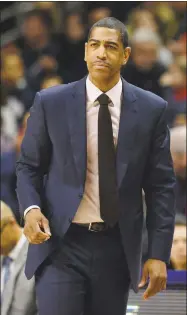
x: 101, y: 53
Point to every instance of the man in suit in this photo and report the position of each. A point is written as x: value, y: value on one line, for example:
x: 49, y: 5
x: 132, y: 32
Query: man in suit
x: 17, y: 293
x: 89, y: 149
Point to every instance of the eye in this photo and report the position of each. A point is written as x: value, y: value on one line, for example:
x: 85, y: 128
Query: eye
x: 111, y: 47
x: 93, y: 44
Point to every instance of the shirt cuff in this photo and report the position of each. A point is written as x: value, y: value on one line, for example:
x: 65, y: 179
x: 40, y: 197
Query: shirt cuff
x: 29, y: 208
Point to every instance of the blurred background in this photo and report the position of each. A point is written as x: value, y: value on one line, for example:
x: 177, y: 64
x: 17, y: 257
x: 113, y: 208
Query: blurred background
x: 42, y: 45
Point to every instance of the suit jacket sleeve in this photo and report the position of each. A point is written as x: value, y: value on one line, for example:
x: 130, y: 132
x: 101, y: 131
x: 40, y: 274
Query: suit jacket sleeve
x: 159, y: 188
x: 34, y: 158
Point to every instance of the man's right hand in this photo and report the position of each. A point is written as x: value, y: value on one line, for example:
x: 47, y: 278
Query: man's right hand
x: 36, y: 227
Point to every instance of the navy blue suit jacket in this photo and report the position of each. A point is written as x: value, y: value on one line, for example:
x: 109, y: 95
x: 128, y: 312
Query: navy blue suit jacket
x: 51, y: 169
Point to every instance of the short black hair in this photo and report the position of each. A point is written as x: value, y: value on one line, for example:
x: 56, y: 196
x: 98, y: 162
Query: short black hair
x: 113, y: 23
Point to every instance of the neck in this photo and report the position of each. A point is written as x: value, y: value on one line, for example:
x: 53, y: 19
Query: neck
x: 106, y: 84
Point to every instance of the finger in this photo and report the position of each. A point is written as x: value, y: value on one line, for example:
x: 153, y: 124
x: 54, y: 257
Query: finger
x: 40, y: 237
x: 37, y: 235
x: 27, y: 231
x: 144, y: 279
x: 151, y: 289
x: 36, y: 241
x: 31, y: 242
x: 155, y: 286
x: 34, y: 234
x: 46, y: 227
x: 163, y: 285
x: 38, y: 230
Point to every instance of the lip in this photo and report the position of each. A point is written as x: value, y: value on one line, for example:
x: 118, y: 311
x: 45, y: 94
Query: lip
x: 101, y: 64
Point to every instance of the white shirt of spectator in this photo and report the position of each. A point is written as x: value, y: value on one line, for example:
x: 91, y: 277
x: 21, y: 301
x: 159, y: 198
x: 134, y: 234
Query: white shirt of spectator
x: 14, y: 255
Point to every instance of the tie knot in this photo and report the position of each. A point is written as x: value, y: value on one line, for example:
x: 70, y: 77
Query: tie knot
x: 103, y: 99
x: 6, y: 261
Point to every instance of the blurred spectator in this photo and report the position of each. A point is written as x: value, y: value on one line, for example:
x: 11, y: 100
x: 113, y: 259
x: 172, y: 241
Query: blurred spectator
x: 143, y: 18
x: 51, y: 80
x: 143, y: 68
x: 13, y: 76
x: 11, y: 113
x: 169, y: 15
x: 75, y: 30
x: 178, y: 45
x: 178, y: 151
x: 9, y: 48
x: 40, y: 47
x: 8, y: 176
x: 53, y: 10
x: 97, y: 14
x: 175, y: 78
x: 118, y: 9
x: 139, y: 18
x: 17, y: 293
x: 178, y: 252
x: 180, y: 120
x: 72, y: 50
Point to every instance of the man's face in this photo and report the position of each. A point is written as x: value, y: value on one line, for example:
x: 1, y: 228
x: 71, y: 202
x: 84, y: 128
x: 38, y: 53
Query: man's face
x: 178, y: 252
x: 144, y: 55
x: 104, y: 53
x: 33, y: 29
x: 74, y: 27
x: 13, y: 67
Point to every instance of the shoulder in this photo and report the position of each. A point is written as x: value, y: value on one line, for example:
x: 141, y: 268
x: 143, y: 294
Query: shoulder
x: 56, y: 92
x: 148, y: 100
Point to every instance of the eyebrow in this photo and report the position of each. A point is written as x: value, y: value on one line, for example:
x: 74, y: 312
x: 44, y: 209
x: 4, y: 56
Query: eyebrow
x: 107, y: 42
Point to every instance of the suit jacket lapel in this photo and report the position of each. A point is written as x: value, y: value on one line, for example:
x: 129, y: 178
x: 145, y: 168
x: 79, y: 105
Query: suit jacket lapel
x: 76, y: 109
x: 127, y: 130
x: 9, y: 289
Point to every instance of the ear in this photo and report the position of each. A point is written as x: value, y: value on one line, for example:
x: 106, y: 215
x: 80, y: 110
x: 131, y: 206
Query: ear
x: 85, y: 52
x: 127, y: 52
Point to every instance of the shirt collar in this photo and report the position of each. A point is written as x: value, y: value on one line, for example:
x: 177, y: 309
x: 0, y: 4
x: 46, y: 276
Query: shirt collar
x: 114, y: 94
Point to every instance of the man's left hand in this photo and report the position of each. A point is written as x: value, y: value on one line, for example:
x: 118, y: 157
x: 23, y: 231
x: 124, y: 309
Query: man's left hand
x: 156, y: 271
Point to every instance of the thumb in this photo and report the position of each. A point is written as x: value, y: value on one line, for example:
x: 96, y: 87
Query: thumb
x: 144, y: 278
x: 45, y: 225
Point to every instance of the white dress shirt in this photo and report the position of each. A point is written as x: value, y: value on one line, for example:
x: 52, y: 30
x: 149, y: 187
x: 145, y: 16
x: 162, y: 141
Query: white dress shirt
x: 14, y: 255
x: 89, y: 208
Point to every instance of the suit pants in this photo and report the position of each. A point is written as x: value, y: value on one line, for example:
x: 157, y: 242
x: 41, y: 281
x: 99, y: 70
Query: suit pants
x: 87, y: 275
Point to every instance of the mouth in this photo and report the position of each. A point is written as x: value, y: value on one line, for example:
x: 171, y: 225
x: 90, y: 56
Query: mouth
x: 101, y: 64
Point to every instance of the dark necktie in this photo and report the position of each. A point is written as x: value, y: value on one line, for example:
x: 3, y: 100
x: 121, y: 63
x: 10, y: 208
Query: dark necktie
x: 109, y: 208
